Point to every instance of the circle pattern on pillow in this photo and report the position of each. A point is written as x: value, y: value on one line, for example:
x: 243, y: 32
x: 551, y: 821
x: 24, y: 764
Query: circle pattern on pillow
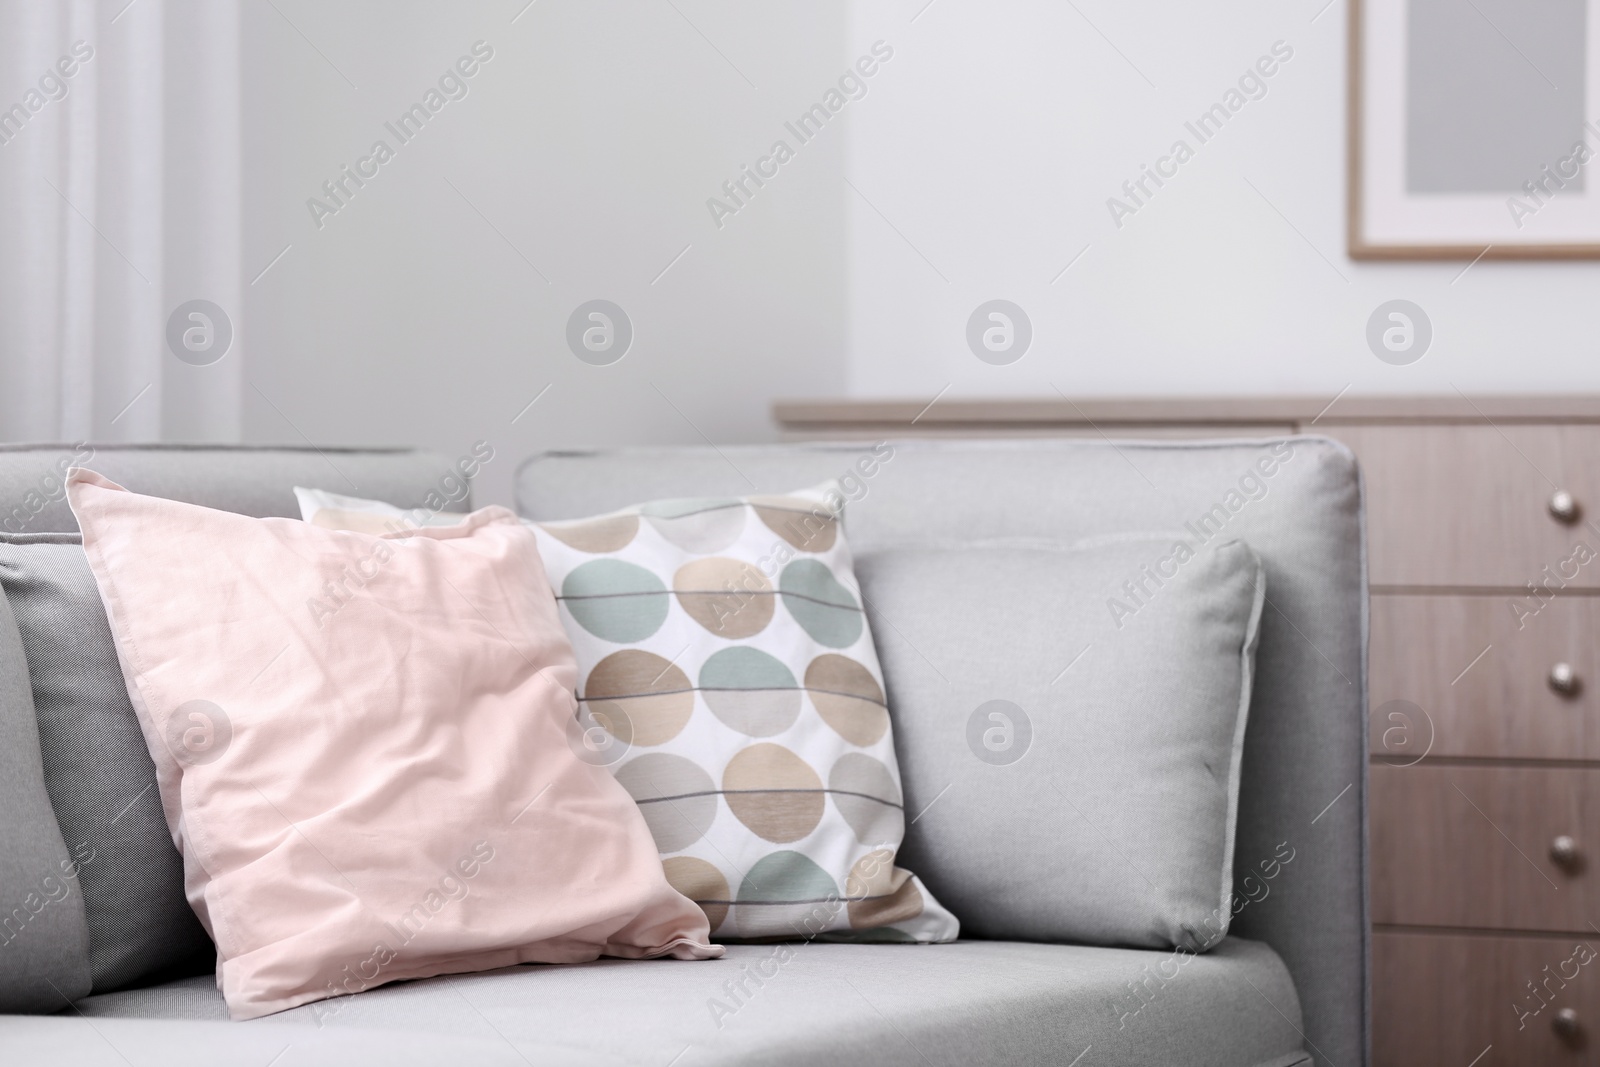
x: 821, y: 604
x: 774, y: 792
x: 785, y: 891
x: 879, y: 893
x: 639, y: 697
x: 867, y: 795
x: 727, y: 639
x: 802, y: 523
x: 701, y: 883
x: 848, y: 698
x: 750, y: 690
x: 617, y: 601
x: 728, y: 597
x: 678, y: 799
x: 609, y: 533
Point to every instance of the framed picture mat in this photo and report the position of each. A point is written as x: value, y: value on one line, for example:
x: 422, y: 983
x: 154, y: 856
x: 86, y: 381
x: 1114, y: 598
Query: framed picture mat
x: 1363, y: 247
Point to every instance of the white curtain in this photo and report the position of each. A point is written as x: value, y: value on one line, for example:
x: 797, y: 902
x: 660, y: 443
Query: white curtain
x: 119, y: 202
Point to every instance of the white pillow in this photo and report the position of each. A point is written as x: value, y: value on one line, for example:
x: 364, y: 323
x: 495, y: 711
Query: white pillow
x: 728, y: 677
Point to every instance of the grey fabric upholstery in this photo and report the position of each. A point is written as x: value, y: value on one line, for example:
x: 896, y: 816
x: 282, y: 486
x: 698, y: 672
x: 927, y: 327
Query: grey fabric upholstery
x: 1304, y: 775
x: 97, y: 769
x: 961, y: 1003
x: 1042, y: 716
x: 250, y: 480
x: 972, y: 1002
x: 44, y: 939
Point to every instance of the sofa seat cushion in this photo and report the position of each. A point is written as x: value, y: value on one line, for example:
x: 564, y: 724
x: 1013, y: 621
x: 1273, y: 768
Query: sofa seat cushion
x: 967, y: 1002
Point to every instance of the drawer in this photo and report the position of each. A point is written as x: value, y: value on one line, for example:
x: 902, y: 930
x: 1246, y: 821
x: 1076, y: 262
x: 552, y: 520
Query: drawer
x: 1441, y: 1001
x: 1469, y: 505
x: 1472, y: 847
x: 1504, y: 705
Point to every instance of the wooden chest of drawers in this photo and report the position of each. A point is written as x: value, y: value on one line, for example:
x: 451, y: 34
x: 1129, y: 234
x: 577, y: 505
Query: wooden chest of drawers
x: 1484, y: 558
x: 1485, y: 781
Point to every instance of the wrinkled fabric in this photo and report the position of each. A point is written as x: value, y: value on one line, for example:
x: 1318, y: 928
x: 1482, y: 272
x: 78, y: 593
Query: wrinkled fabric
x: 362, y: 748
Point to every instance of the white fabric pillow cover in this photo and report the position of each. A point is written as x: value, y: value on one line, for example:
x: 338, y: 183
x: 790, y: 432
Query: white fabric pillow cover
x: 728, y: 677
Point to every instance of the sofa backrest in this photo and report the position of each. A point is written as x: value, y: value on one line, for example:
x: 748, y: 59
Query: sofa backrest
x: 248, y: 479
x: 1304, y: 773
x: 1305, y: 747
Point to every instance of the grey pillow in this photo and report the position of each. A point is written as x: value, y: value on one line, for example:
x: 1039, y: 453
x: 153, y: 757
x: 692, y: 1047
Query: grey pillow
x: 98, y: 772
x: 1074, y: 771
x: 44, y: 942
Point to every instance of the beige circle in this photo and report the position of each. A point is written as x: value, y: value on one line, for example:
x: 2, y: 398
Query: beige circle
x: 864, y: 791
x: 879, y: 893
x: 774, y: 792
x: 873, y: 875
x: 639, y: 693
x: 677, y: 798
x: 729, y: 597
x: 608, y: 533
x: 808, y: 525
x: 848, y: 698
x: 701, y: 883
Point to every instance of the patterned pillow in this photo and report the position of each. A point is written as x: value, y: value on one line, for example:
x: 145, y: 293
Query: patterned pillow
x: 728, y: 678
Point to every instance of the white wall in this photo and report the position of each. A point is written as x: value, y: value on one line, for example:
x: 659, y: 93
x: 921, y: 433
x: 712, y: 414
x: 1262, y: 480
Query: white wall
x: 591, y: 141
x: 998, y: 133
x: 983, y: 151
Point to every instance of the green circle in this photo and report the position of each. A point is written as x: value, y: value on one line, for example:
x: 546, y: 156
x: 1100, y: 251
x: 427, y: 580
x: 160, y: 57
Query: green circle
x: 614, y: 600
x: 743, y: 667
x: 786, y: 877
x: 821, y: 605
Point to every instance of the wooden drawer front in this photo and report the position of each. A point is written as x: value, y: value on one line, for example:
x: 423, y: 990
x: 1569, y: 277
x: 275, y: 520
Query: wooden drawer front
x: 1471, y: 847
x: 1444, y: 1000
x: 1423, y: 651
x: 1469, y: 505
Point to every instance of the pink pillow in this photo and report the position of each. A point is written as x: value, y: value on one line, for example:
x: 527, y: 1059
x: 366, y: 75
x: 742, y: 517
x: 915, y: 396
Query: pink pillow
x: 361, y: 744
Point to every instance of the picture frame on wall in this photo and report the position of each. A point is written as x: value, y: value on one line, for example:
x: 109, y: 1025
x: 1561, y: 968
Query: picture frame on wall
x: 1474, y: 129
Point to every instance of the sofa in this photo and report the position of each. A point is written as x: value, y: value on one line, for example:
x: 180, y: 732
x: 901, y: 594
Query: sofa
x: 1289, y: 984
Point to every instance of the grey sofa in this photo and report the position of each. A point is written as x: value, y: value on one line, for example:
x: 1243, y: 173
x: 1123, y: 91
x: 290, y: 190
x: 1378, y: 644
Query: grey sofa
x: 1288, y: 986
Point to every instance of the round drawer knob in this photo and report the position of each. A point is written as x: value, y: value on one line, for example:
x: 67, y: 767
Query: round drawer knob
x: 1564, y: 680
x: 1564, y: 850
x: 1565, y: 1023
x: 1563, y: 507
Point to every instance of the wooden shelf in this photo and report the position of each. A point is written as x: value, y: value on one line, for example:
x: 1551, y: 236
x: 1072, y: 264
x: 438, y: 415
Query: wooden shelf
x: 947, y: 413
